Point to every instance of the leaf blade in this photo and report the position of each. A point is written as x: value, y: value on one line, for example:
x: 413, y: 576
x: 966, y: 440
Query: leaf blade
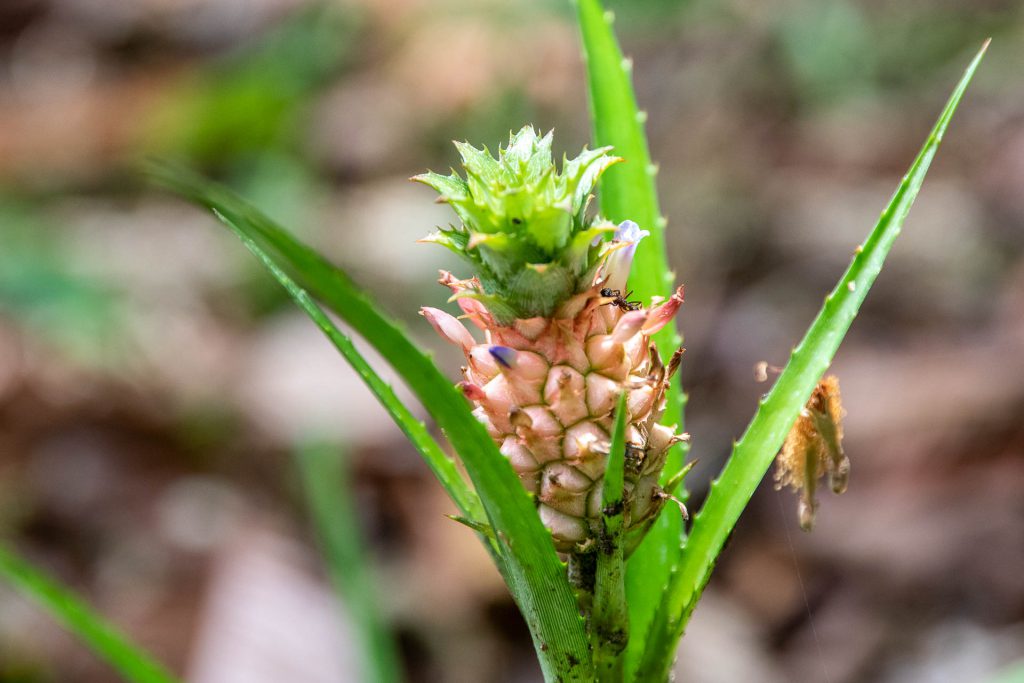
x: 444, y: 469
x: 530, y: 566
x: 610, y: 616
x: 755, y: 451
x: 628, y: 191
x: 101, y: 637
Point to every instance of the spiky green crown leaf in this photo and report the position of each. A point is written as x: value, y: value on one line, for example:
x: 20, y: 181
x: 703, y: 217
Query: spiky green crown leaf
x: 524, y: 224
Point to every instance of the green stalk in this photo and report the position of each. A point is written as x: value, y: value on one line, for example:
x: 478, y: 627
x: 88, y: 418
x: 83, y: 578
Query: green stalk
x: 609, y: 620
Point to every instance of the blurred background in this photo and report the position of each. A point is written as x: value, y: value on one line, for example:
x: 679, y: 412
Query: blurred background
x: 154, y: 381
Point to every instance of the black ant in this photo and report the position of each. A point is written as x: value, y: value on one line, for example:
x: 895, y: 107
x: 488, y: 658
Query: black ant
x: 620, y: 301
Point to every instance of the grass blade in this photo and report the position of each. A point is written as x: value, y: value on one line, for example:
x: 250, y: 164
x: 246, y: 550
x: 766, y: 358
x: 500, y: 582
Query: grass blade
x: 531, y: 568
x: 328, y: 492
x: 442, y: 466
x: 628, y: 190
x: 101, y: 637
x: 754, y: 452
x: 610, y: 617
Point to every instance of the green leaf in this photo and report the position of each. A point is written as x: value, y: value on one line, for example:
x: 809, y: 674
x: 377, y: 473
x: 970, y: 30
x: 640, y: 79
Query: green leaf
x: 328, y: 492
x: 549, y: 228
x: 503, y: 253
x: 479, y: 527
x: 480, y: 166
x: 105, y: 641
x: 627, y: 191
x: 578, y: 254
x: 532, y: 570
x: 453, y: 240
x: 610, y: 616
x: 583, y: 172
x: 450, y: 187
x: 442, y: 466
x: 237, y: 216
x: 754, y: 452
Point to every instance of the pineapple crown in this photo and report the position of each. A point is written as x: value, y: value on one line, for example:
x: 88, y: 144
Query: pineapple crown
x: 524, y: 224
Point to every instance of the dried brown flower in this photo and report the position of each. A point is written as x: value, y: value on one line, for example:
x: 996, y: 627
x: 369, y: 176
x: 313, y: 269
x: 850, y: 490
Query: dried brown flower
x: 814, y: 448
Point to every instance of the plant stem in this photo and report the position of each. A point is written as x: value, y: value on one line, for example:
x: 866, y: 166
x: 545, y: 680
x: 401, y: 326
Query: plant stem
x: 609, y: 622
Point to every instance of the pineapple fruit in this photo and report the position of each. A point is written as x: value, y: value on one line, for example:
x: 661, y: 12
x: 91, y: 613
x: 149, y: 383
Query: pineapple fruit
x: 561, y: 340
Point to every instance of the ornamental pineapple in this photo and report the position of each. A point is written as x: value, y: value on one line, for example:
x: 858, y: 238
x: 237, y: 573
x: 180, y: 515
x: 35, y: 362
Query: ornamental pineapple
x: 561, y: 339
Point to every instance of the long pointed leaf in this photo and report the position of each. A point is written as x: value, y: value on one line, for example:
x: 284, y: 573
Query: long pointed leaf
x: 521, y: 582
x: 627, y: 191
x: 443, y: 468
x: 610, y: 617
x: 754, y: 452
x: 531, y: 568
x: 106, y: 641
x: 328, y: 492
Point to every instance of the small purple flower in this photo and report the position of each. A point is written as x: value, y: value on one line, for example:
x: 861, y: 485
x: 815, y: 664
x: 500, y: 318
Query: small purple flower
x: 629, y: 231
x: 505, y: 356
x: 620, y: 260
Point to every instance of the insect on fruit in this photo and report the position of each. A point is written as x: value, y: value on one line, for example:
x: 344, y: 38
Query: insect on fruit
x: 620, y: 301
